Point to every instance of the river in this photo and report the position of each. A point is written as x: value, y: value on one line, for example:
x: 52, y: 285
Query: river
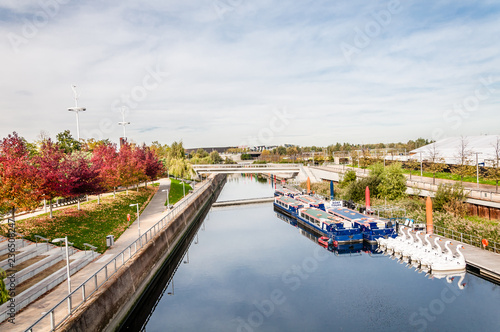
x: 250, y: 269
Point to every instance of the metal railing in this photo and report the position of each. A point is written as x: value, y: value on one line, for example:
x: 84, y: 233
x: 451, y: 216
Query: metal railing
x: 467, y: 238
x: 80, y: 295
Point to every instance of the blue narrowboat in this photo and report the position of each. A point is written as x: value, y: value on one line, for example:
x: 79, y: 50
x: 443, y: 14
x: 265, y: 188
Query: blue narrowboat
x: 371, y: 228
x: 286, y: 192
x: 288, y: 205
x: 339, y: 230
x: 311, y: 201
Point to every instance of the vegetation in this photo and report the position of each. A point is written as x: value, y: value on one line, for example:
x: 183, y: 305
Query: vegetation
x: 31, y: 173
x: 4, y: 293
x: 92, y: 223
x: 176, y: 191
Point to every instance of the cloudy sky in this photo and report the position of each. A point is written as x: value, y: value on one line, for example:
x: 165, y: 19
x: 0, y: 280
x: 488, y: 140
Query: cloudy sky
x: 241, y: 72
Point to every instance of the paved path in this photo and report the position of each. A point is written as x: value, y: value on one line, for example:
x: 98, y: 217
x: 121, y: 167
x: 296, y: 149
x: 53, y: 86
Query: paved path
x: 151, y: 215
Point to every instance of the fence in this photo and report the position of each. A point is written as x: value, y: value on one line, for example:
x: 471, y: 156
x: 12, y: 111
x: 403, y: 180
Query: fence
x: 77, y: 297
x: 467, y: 238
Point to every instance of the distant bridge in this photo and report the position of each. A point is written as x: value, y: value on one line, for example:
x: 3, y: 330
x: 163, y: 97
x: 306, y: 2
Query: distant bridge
x: 247, y: 168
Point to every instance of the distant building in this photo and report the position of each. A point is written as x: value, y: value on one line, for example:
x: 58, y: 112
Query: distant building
x: 449, y: 149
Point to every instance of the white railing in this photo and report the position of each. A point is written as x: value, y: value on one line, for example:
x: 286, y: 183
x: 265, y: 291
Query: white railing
x: 467, y: 238
x: 80, y: 295
x: 237, y: 166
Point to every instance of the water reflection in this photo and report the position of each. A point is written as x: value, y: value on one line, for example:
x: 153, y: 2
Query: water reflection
x: 252, y: 272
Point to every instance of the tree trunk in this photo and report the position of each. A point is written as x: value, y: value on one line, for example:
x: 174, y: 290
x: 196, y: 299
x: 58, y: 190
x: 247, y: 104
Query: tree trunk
x: 497, y: 188
x: 50, y: 208
x: 433, y: 178
x: 45, y: 205
x: 78, y: 199
x: 99, y: 199
x: 14, y: 215
x: 114, y: 192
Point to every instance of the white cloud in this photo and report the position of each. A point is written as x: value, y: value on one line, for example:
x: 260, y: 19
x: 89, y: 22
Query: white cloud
x: 228, y: 71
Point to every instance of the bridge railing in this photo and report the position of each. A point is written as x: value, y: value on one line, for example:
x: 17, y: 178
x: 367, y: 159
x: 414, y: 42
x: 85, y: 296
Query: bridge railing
x: 58, y: 314
x: 233, y: 166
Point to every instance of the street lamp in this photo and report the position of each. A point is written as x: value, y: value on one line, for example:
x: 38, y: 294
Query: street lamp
x: 76, y: 109
x: 421, y: 171
x: 123, y: 123
x: 168, y: 202
x: 65, y: 239
x: 477, y: 168
x: 138, y: 219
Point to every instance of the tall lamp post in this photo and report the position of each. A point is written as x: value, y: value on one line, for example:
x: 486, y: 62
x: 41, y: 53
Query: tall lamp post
x: 421, y: 170
x: 138, y: 221
x: 76, y: 109
x: 123, y: 123
x: 65, y: 239
x: 477, y: 168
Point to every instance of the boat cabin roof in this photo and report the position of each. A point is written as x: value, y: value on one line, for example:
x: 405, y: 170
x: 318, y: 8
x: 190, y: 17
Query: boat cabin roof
x: 347, y: 214
x: 322, y: 215
x: 290, y: 201
x: 309, y: 199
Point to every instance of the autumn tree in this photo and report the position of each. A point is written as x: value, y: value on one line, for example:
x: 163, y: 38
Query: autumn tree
x: 19, y: 180
x: 105, y: 161
x: 54, y: 172
x: 393, y: 182
x: 129, y: 167
x: 83, y: 178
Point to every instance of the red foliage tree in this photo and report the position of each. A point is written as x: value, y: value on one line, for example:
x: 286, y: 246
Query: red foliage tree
x: 19, y: 180
x: 130, y: 167
x: 55, y: 172
x: 83, y: 178
x: 105, y: 162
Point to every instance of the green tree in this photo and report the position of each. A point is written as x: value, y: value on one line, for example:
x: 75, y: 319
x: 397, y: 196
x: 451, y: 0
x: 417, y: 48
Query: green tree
x: 4, y: 293
x: 67, y: 143
x: 412, y: 165
x: 349, y: 177
x: 393, y: 182
x: 215, y: 158
x: 281, y: 150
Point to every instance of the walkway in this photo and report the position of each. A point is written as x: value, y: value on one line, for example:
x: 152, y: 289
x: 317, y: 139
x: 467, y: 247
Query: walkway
x: 151, y: 214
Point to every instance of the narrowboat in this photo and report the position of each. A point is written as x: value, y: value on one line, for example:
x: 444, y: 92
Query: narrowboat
x: 311, y: 201
x: 371, y: 228
x: 288, y: 205
x: 339, y: 230
x: 286, y: 192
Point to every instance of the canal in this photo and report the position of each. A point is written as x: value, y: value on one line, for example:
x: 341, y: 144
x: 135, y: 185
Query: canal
x: 250, y: 269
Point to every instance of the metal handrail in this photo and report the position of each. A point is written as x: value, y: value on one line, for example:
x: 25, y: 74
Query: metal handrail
x: 111, y: 267
x: 467, y: 238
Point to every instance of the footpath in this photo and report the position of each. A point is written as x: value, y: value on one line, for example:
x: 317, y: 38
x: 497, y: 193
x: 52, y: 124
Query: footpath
x: 151, y: 215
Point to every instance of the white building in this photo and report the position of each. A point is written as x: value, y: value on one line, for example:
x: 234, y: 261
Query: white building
x: 485, y: 148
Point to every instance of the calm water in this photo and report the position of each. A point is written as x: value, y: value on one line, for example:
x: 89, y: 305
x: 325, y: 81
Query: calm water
x: 252, y: 271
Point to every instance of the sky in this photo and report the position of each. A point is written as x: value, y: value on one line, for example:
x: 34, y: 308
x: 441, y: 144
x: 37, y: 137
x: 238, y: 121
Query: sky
x: 241, y: 72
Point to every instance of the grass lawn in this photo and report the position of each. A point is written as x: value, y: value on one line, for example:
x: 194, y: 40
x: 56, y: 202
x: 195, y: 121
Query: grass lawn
x: 92, y: 223
x: 176, y: 191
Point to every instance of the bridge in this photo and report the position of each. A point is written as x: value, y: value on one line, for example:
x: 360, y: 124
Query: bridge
x: 247, y: 168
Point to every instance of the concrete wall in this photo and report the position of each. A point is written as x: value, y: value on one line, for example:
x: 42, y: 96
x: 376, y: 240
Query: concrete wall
x: 111, y: 303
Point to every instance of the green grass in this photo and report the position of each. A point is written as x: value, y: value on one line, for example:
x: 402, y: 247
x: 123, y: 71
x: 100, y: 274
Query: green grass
x: 92, y: 223
x: 450, y: 176
x: 176, y: 192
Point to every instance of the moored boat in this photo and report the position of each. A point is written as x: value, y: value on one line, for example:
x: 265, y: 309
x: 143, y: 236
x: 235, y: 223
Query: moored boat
x: 337, y: 229
x: 288, y: 205
x: 311, y: 201
x: 371, y: 228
